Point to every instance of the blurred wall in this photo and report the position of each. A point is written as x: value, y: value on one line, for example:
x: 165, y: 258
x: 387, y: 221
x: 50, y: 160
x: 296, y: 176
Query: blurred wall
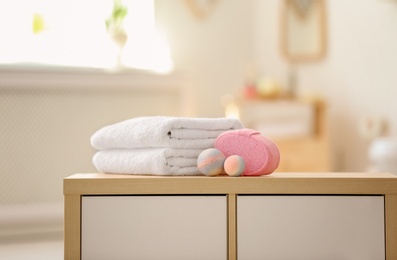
x: 47, y: 119
x: 215, y: 50
x: 357, y: 77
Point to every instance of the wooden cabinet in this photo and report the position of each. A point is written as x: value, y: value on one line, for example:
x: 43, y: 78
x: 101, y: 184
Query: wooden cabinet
x: 298, y: 127
x: 280, y: 216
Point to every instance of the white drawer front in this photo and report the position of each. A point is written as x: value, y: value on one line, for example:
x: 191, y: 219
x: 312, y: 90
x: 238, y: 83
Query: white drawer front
x: 310, y: 227
x: 154, y: 227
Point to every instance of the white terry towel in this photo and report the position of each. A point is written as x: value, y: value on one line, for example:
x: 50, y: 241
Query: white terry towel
x: 150, y: 161
x: 160, y: 131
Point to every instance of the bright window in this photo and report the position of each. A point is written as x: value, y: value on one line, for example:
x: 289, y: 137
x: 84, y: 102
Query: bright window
x: 74, y: 33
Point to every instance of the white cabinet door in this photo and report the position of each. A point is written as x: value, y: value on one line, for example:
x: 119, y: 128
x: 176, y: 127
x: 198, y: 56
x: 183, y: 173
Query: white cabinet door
x: 154, y: 227
x: 310, y: 227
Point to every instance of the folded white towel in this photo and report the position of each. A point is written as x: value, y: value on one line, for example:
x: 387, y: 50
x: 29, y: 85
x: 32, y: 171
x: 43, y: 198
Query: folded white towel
x: 150, y: 161
x: 160, y: 131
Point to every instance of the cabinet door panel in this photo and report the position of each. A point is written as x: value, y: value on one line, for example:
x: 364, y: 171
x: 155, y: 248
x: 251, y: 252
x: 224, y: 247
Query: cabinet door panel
x: 154, y: 227
x: 310, y: 227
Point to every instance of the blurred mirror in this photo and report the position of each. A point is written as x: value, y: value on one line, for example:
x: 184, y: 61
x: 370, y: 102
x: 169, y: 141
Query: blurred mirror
x: 303, y: 30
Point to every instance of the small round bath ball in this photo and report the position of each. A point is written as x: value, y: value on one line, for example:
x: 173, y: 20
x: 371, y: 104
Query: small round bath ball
x: 234, y: 165
x: 210, y: 162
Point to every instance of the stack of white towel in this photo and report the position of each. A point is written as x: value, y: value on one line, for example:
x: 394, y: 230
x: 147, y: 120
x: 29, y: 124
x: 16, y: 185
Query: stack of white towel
x: 157, y: 145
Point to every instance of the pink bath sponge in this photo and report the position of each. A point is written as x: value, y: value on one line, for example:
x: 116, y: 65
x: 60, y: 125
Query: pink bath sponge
x: 260, y: 154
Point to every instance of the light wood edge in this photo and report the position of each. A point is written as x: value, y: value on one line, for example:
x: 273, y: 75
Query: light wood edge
x: 72, y: 231
x: 232, y: 226
x: 391, y: 226
x: 227, y: 185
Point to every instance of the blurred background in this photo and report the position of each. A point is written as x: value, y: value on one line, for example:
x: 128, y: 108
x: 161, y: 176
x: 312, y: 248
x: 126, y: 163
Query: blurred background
x: 317, y: 76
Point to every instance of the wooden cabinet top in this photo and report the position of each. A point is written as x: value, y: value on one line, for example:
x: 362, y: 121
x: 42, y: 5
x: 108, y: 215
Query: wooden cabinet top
x: 276, y: 183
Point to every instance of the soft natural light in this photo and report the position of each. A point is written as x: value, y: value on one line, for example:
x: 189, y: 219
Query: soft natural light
x: 74, y: 33
x: 149, y: 50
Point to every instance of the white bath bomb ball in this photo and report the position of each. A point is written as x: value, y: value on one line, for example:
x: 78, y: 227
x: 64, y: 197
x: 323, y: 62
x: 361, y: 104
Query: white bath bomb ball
x: 210, y: 162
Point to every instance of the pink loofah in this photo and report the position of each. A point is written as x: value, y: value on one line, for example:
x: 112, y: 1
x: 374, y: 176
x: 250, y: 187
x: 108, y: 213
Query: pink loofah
x: 261, y: 155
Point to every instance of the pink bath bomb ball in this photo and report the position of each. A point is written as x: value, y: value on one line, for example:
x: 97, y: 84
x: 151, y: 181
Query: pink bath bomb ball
x: 234, y: 165
x: 210, y: 162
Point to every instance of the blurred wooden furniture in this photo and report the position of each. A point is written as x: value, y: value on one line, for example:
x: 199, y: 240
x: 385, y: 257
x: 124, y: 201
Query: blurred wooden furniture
x: 282, y: 215
x: 305, y: 149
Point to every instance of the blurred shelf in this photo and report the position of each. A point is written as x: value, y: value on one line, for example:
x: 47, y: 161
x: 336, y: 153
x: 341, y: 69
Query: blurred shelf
x: 299, y: 128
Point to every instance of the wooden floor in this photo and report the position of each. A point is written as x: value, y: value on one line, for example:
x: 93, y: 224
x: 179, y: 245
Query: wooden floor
x: 32, y: 249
